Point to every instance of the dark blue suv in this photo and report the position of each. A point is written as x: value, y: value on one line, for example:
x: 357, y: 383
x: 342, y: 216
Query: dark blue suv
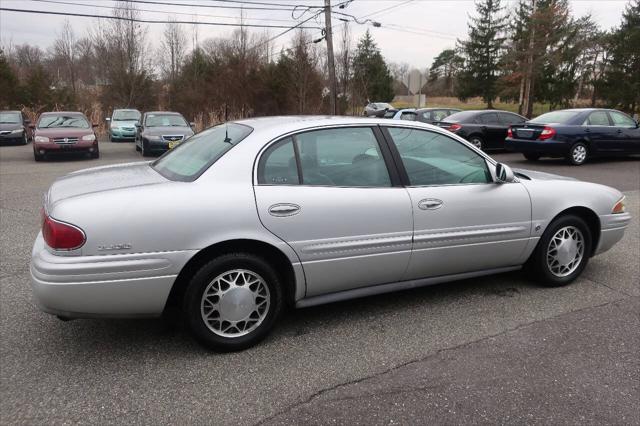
x: 576, y: 134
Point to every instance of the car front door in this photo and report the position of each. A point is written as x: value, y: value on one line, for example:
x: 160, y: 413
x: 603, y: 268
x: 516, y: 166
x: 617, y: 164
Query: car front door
x: 494, y: 131
x: 627, y: 132
x: 463, y: 221
x: 330, y: 195
x: 602, y: 135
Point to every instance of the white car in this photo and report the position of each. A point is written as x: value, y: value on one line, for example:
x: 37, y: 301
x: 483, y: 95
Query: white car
x: 251, y: 216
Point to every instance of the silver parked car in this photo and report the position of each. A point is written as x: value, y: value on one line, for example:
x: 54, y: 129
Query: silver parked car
x: 160, y: 131
x: 251, y: 216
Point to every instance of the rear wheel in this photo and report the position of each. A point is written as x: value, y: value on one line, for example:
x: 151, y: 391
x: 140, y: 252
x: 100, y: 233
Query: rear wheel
x: 578, y: 154
x: 233, y: 301
x: 563, y: 251
x: 476, y: 141
x: 532, y: 157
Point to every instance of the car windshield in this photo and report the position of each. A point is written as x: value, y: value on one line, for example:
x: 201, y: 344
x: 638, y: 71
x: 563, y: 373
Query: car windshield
x: 126, y: 115
x: 52, y: 121
x: 191, y: 158
x: 459, y: 117
x: 560, y: 117
x: 10, y: 118
x: 165, y: 120
x: 383, y: 106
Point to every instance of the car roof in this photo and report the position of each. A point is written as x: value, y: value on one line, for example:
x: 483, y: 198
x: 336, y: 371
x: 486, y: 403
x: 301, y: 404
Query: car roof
x: 11, y: 110
x: 62, y: 113
x: 163, y: 112
x: 125, y: 109
x: 437, y: 109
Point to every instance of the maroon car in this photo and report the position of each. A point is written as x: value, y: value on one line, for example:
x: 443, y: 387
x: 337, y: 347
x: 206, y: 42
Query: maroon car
x: 64, y: 132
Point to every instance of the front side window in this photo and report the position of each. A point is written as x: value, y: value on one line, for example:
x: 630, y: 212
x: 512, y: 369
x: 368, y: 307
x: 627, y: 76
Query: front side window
x: 52, y: 121
x: 621, y: 120
x: 510, y: 118
x: 597, y: 118
x: 345, y: 157
x: 431, y: 158
x: 191, y: 158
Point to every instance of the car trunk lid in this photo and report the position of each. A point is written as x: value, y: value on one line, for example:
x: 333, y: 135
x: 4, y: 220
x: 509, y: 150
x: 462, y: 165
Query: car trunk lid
x: 100, y: 179
x: 527, y: 131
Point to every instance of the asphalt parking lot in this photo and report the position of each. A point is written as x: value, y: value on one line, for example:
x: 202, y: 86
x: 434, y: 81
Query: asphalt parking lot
x: 497, y: 349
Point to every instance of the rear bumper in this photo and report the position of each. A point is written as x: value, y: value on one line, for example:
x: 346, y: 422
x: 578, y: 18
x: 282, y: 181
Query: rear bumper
x: 548, y: 147
x: 612, y: 230
x: 118, y: 285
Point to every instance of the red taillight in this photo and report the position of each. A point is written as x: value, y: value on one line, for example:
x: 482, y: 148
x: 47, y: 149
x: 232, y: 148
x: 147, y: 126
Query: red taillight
x: 547, y: 133
x: 61, y: 236
x: 509, y: 133
x: 454, y: 127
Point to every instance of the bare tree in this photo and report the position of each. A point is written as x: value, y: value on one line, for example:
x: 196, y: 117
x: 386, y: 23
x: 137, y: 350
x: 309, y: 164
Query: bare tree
x: 173, y: 45
x: 343, y: 66
x: 64, y: 48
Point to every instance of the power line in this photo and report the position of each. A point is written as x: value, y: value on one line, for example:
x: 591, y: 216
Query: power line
x: 267, y: 4
x: 214, y: 6
x: 157, y: 11
x: 388, y: 8
x: 149, y: 21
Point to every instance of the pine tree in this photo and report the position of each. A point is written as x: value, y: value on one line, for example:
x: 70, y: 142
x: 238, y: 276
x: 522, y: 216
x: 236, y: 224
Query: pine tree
x: 622, y: 79
x: 482, y: 52
x: 372, y: 77
x: 8, y: 83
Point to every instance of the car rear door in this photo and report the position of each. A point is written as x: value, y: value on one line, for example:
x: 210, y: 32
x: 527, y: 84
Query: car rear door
x: 627, y: 132
x: 493, y: 129
x: 600, y: 132
x: 331, y: 195
x: 463, y: 221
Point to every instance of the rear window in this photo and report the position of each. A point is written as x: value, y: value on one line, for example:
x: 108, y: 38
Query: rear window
x: 460, y: 117
x: 559, y: 117
x: 191, y: 158
x: 126, y: 115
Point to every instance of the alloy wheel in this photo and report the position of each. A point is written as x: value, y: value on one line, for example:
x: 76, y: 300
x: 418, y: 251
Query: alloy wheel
x: 235, y: 303
x: 565, y: 251
x: 579, y: 154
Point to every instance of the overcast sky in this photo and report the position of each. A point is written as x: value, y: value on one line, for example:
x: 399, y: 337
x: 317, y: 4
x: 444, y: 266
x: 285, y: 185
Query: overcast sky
x: 412, y: 31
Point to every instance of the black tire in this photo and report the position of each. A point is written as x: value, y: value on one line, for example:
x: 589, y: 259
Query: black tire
x: 111, y: 138
x: 193, y: 300
x: 38, y: 157
x: 135, y: 143
x: 96, y: 153
x: 25, y: 139
x: 574, y: 158
x: 145, y: 152
x: 532, y: 157
x: 477, y: 141
x: 537, y: 263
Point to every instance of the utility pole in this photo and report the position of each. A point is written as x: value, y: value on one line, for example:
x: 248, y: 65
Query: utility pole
x: 333, y: 87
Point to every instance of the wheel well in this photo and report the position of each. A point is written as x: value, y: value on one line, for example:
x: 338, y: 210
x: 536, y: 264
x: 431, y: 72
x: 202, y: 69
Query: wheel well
x: 271, y: 254
x: 592, y: 220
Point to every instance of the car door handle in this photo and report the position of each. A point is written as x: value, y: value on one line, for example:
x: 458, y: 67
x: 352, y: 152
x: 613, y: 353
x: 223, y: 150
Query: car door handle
x: 619, y: 130
x: 587, y: 130
x: 430, y: 204
x: 284, y: 209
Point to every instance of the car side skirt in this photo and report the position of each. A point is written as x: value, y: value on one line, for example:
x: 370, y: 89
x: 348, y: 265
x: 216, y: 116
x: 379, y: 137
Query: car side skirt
x: 391, y: 287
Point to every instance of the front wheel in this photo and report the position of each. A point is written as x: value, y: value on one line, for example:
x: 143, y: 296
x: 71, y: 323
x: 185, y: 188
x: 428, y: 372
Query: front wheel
x: 233, y: 301
x: 25, y: 139
x: 563, y: 251
x: 578, y: 154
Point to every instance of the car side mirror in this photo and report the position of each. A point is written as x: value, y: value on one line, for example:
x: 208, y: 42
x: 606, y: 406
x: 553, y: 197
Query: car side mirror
x: 107, y: 119
x: 138, y: 125
x: 192, y: 124
x: 504, y: 174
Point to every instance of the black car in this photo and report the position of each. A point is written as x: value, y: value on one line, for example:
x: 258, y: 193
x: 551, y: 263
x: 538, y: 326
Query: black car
x: 14, y: 127
x: 486, y: 129
x: 576, y: 134
x: 434, y: 115
x: 377, y: 109
x: 160, y: 131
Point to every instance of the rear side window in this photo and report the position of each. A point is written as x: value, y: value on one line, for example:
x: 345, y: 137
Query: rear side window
x: 489, y: 118
x: 598, y: 118
x: 278, y: 165
x: 345, y: 157
x: 431, y: 158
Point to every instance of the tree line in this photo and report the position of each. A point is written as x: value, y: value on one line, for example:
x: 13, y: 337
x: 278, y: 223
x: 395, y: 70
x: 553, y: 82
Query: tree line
x: 539, y: 52
x: 536, y: 52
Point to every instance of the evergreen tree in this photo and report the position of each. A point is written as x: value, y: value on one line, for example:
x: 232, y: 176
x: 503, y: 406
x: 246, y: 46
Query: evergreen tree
x: 372, y: 78
x: 445, y: 68
x: 8, y: 83
x: 622, y: 78
x: 482, y: 52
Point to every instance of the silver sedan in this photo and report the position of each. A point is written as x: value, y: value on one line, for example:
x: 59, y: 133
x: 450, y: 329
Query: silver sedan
x: 249, y: 217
